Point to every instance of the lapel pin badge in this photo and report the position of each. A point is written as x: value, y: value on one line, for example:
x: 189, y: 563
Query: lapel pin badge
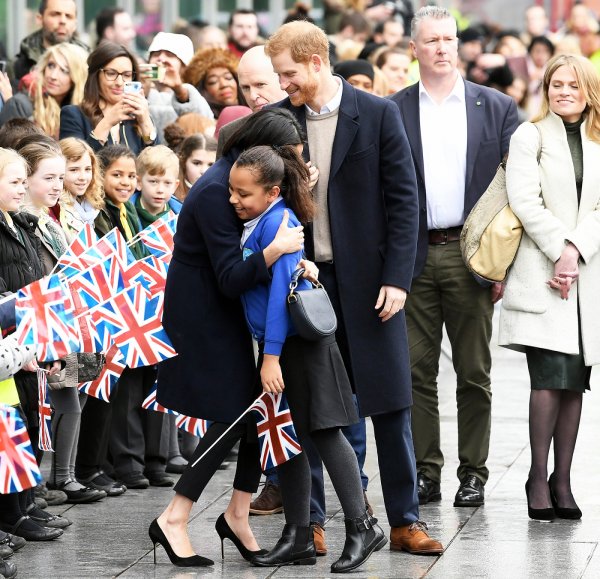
x: 478, y: 103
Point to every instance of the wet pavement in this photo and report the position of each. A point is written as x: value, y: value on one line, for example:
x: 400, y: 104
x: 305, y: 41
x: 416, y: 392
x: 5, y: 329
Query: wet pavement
x: 498, y: 540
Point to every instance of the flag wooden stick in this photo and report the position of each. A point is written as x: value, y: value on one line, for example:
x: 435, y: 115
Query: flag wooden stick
x: 222, y: 435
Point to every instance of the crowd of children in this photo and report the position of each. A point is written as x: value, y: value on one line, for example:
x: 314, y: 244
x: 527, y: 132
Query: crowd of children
x: 49, y: 191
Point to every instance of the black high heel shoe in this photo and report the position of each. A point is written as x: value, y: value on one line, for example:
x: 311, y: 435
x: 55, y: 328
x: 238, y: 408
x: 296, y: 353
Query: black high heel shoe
x: 538, y: 514
x: 225, y: 532
x: 562, y: 513
x: 157, y: 536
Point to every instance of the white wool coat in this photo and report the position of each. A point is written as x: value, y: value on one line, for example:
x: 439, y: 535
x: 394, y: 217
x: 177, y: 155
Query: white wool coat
x: 544, y: 198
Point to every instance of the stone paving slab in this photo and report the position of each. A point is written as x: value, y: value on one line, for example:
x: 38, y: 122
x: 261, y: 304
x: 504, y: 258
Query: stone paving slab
x: 109, y: 538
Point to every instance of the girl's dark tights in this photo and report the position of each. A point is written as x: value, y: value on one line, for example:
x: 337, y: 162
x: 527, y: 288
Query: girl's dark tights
x: 339, y: 460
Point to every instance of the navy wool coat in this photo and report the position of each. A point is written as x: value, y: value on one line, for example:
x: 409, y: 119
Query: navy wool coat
x: 491, y: 121
x: 214, y: 374
x: 372, y: 198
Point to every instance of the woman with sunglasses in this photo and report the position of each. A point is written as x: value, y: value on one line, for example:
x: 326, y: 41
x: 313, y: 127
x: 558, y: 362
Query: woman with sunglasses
x: 108, y: 113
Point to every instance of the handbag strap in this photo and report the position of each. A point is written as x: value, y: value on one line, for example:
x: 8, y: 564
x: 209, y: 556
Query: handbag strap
x: 539, y: 153
x: 296, y: 276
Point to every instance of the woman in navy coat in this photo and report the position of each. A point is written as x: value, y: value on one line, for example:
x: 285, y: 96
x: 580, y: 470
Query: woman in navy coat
x: 214, y: 374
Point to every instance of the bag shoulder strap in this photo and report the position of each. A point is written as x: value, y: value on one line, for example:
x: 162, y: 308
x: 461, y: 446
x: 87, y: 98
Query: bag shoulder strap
x: 539, y: 153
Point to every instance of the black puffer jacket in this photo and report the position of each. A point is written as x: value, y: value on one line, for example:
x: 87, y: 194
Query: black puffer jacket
x: 20, y: 265
x: 19, y: 253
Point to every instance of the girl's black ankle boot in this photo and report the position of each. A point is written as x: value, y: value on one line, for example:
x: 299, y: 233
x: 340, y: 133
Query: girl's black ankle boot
x: 295, y: 547
x: 363, y: 537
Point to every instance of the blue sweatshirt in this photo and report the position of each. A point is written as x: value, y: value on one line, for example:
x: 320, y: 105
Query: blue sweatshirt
x: 265, y: 305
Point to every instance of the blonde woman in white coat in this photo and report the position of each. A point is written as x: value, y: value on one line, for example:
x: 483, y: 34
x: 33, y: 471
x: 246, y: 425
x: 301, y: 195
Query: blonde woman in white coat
x: 551, y: 307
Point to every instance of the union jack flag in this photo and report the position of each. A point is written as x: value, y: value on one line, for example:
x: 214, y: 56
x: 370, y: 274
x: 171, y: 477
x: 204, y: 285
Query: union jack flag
x: 158, y: 236
x: 44, y: 411
x: 152, y: 404
x: 84, y: 240
x: 111, y: 246
x: 18, y: 468
x: 89, y: 337
x: 102, y: 386
x: 195, y: 426
x: 276, y: 433
x: 133, y: 320
x: 98, y: 283
x: 151, y: 272
x: 42, y: 316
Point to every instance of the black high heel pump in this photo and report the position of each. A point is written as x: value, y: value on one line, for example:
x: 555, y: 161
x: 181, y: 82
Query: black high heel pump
x: 538, y: 514
x: 562, y: 512
x: 225, y: 532
x: 157, y: 536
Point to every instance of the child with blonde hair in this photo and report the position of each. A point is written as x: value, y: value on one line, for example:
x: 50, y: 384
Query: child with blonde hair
x: 157, y: 180
x: 46, y: 172
x: 82, y: 196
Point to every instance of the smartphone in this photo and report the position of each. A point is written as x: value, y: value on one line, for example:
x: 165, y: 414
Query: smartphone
x: 132, y: 87
x: 152, y: 71
x: 2, y: 65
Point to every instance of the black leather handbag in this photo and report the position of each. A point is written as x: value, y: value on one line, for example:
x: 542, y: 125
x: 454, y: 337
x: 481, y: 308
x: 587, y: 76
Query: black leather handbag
x: 311, y: 310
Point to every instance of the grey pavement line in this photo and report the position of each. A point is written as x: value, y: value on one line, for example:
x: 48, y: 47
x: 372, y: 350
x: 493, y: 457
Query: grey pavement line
x: 589, y: 560
x: 458, y: 531
x: 510, y: 465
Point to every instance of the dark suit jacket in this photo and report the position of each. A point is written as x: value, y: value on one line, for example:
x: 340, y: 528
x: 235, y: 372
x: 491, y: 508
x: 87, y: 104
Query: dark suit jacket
x: 73, y: 123
x: 373, y: 210
x: 491, y: 121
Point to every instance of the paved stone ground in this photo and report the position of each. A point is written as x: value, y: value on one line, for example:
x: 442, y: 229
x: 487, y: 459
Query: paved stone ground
x: 109, y: 539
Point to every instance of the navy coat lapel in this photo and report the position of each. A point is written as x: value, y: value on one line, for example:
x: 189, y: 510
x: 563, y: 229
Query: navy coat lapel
x: 300, y: 114
x: 347, y: 127
x: 475, y: 104
x: 410, y: 115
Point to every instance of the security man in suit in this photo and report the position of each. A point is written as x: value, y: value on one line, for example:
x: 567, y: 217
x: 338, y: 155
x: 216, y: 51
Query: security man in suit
x: 458, y: 133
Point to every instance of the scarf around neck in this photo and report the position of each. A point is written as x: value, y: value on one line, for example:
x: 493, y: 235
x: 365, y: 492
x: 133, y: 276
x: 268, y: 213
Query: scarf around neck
x: 85, y: 211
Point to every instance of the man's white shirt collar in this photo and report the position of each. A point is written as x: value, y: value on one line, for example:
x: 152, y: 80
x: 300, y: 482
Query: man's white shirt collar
x: 332, y: 105
x: 458, y: 90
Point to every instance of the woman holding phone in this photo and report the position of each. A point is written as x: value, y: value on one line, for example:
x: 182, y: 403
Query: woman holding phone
x: 114, y: 109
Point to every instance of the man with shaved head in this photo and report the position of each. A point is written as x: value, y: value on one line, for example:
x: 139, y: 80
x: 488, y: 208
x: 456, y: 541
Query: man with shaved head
x: 259, y: 84
x: 258, y: 81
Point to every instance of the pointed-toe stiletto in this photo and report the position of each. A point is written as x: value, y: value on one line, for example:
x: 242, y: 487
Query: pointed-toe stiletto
x: 157, y: 536
x: 538, y: 514
x: 562, y: 513
x: 226, y: 532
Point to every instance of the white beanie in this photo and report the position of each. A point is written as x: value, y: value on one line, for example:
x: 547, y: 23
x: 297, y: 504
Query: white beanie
x: 179, y: 44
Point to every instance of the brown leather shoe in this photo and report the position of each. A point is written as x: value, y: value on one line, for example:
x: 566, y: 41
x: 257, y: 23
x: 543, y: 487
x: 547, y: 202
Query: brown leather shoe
x: 319, y: 536
x: 268, y: 502
x: 414, y: 539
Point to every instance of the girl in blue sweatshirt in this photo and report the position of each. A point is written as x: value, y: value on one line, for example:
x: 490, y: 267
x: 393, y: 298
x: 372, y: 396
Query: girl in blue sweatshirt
x: 264, y: 182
